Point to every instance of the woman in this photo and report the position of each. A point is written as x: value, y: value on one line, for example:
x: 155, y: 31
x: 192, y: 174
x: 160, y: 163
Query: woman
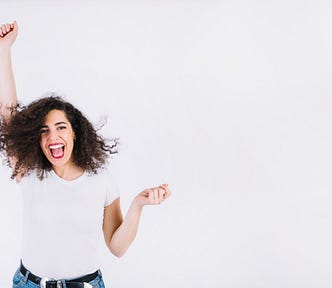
x: 69, y: 200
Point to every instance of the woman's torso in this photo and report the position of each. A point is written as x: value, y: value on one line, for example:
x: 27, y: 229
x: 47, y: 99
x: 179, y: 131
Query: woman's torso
x: 62, y: 224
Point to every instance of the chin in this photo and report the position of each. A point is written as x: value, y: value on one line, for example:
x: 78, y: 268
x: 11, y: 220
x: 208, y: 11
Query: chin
x: 58, y: 162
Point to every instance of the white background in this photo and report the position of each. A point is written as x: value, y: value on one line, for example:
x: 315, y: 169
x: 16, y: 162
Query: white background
x: 227, y: 101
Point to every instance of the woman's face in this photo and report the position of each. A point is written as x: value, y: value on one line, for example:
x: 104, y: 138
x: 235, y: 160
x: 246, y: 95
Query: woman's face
x: 57, y: 139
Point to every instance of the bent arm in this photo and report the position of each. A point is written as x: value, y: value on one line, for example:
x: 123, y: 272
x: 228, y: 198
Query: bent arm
x: 118, y: 233
x: 8, y: 98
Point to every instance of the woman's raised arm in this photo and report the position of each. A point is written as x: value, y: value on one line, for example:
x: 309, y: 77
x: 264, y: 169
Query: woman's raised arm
x: 8, y: 98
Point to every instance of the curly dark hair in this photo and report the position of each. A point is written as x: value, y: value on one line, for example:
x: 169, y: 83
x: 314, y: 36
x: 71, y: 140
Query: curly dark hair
x: 20, y: 136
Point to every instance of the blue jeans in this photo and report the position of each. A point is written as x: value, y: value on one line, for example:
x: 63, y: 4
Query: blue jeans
x: 21, y: 281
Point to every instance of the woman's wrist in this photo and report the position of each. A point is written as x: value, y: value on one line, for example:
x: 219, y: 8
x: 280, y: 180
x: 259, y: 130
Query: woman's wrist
x: 5, y: 55
x: 5, y: 50
x: 137, y: 203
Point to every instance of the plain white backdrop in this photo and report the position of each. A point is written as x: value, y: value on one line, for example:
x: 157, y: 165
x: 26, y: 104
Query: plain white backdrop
x: 227, y: 101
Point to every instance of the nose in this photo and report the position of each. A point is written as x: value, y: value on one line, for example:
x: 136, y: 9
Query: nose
x: 52, y: 135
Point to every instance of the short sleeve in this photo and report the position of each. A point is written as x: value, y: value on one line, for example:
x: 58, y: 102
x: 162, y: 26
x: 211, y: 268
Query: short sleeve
x: 112, y: 191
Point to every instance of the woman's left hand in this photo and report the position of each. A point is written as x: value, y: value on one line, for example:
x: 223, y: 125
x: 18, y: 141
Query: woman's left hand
x: 153, y: 196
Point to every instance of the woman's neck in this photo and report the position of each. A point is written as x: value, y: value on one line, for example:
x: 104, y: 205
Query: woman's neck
x: 68, y: 172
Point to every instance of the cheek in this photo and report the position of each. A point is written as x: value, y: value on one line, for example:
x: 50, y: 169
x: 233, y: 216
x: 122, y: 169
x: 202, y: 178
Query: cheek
x: 70, y: 139
x: 42, y: 143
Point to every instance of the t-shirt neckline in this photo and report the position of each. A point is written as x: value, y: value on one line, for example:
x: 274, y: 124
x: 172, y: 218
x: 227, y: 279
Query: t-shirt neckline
x: 76, y: 180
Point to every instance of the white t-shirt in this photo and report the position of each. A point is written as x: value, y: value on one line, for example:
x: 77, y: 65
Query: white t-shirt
x: 62, y: 223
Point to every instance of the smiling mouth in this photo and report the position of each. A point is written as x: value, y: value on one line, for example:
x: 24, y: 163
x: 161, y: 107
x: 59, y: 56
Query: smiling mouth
x: 57, y: 150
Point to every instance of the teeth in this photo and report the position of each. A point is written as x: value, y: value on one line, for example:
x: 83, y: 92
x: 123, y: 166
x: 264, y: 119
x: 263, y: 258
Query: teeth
x: 56, y: 146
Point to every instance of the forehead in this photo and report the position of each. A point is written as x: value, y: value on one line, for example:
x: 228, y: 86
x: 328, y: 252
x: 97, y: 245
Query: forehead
x: 55, y: 116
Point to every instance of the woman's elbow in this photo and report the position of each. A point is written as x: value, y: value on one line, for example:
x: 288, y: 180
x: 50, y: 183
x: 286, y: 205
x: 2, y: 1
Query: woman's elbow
x: 117, y: 252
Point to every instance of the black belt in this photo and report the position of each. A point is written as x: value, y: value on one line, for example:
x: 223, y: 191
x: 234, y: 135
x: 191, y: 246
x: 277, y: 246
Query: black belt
x: 73, y: 283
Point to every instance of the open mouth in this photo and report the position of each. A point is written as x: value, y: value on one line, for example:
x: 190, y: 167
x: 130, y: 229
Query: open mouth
x: 57, y: 150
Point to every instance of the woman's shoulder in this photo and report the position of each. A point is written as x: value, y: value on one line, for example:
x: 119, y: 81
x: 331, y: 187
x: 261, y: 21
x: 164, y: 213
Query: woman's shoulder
x: 104, y: 178
x: 33, y: 176
x: 103, y: 174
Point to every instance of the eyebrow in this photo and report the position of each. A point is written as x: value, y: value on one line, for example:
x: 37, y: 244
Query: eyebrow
x: 56, y: 124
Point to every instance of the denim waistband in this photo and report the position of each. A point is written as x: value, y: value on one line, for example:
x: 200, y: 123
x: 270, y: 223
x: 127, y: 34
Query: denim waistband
x: 80, y: 282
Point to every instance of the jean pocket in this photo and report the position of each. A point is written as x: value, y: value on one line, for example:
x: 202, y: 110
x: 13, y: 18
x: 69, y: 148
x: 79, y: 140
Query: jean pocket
x: 97, y: 283
x: 17, y: 279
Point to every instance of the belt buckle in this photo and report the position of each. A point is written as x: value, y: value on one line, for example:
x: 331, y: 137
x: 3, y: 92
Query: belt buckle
x: 45, y: 279
x: 58, y: 284
x: 43, y: 282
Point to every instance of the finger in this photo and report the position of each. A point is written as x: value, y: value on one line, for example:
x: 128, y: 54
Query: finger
x: 8, y: 27
x: 156, y: 195
x: 150, y: 196
x: 1, y: 35
x: 168, y: 193
x: 165, y: 186
x: 167, y: 190
x: 15, y: 26
x: 162, y: 192
x: 3, y: 28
